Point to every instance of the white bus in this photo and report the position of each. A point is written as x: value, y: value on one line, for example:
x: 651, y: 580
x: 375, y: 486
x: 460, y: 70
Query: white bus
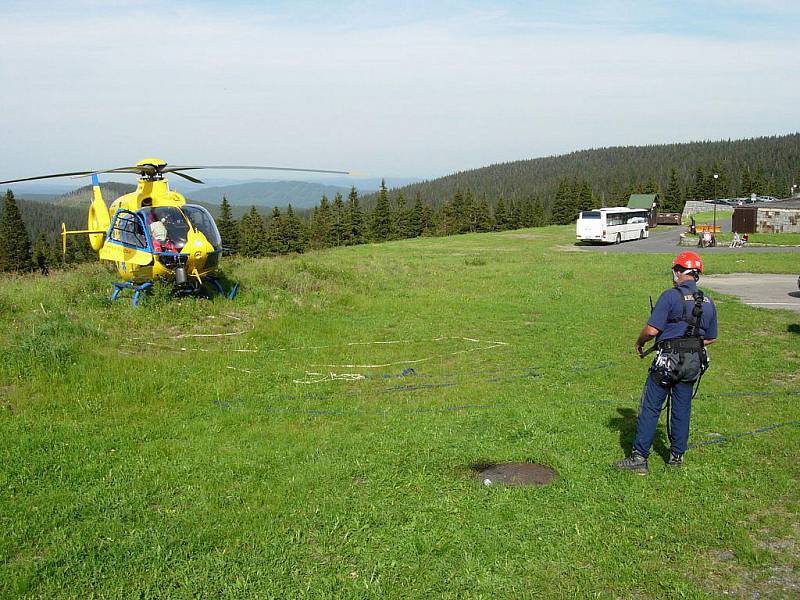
x: 612, y: 225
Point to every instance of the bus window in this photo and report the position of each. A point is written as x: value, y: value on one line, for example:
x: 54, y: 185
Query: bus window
x: 591, y: 214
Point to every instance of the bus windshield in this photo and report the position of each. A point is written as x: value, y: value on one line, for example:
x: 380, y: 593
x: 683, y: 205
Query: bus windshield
x: 592, y: 214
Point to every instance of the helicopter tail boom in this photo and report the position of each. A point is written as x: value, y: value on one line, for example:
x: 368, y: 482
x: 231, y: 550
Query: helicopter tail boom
x: 65, y: 232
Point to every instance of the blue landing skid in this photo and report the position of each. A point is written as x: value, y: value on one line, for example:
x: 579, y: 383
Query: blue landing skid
x: 127, y: 285
x: 218, y: 286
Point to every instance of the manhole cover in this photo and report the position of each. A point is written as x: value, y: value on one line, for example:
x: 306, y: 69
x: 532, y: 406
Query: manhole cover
x: 516, y: 474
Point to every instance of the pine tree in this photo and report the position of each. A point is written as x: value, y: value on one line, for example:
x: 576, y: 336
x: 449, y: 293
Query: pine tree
x: 15, y: 245
x: 355, y: 218
x: 276, y: 236
x: 340, y: 226
x: 294, y: 232
x: 746, y: 185
x: 538, y: 219
x: 483, y: 219
x: 564, y: 210
x: 252, y: 237
x: 415, y: 224
x: 41, y: 254
x: 517, y: 215
x: 322, y: 225
x: 699, y: 187
x: 500, y: 215
x: 403, y: 217
x: 585, y: 199
x: 382, y: 220
x: 228, y: 228
x: 447, y: 220
x: 672, y: 197
x: 428, y: 221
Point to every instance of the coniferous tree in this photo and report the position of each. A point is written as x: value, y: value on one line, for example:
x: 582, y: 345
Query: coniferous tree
x: 517, y: 215
x: 447, y: 220
x: 415, y: 224
x: 538, y: 217
x: 403, y: 218
x: 428, y: 222
x: 382, y: 219
x: 340, y: 225
x: 15, y: 245
x: 41, y: 254
x: 483, y: 218
x: 276, y: 236
x: 672, y: 197
x: 228, y: 228
x: 322, y: 225
x: 252, y: 237
x: 746, y: 185
x: 501, y: 215
x: 585, y: 199
x: 294, y: 232
x: 564, y: 210
x: 355, y: 218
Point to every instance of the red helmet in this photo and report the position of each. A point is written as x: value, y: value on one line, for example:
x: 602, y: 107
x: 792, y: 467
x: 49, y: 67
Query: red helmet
x: 689, y: 261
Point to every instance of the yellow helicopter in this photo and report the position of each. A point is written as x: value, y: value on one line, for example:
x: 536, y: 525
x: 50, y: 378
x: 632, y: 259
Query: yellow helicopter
x: 153, y: 233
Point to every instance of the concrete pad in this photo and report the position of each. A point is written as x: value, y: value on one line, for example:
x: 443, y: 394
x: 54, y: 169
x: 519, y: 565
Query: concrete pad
x: 760, y: 290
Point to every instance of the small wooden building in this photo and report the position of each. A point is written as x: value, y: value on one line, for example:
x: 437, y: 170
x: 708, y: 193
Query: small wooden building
x: 648, y: 202
x: 782, y: 216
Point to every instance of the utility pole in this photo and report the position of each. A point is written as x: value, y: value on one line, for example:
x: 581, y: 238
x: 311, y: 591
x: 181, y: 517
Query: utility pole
x: 716, y: 177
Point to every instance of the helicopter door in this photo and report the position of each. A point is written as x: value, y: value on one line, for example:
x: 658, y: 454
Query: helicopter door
x: 127, y: 240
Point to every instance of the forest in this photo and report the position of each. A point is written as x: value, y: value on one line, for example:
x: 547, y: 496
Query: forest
x: 528, y: 193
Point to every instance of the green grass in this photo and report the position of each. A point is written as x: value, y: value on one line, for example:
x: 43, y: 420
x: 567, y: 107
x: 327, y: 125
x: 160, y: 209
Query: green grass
x: 772, y: 239
x: 139, y: 463
x: 707, y: 217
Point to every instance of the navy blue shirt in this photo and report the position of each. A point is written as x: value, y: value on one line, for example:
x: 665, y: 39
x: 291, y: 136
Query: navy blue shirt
x: 668, y: 311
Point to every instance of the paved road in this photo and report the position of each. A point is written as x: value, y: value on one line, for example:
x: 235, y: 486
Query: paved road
x: 763, y: 291
x: 664, y: 238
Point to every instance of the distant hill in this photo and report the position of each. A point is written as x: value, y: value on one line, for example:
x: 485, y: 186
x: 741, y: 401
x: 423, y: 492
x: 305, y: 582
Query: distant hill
x: 769, y: 164
x: 300, y: 194
x: 41, y: 216
x: 83, y: 196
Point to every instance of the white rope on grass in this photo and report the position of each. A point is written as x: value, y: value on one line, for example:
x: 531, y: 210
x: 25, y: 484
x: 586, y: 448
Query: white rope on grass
x: 330, y: 377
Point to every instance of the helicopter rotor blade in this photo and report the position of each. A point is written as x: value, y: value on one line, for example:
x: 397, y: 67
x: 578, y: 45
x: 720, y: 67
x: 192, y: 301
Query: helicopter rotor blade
x: 172, y: 169
x: 185, y: 176
x: 75, y: 174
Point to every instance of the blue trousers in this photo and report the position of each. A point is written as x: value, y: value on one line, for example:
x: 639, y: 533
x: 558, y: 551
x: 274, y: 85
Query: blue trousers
x: 650, y: 407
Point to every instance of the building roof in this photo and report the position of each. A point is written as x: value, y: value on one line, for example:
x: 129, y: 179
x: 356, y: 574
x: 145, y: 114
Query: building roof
x: 790, y: 203
x: 642, y: 201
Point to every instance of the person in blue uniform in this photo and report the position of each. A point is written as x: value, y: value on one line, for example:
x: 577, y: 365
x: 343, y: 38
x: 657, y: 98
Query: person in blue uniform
x: 683, y: 322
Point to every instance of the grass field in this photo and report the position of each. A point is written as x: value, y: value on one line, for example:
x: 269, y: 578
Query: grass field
x: 141, y: 460
x: 707, y: 217
x: 771, y: 239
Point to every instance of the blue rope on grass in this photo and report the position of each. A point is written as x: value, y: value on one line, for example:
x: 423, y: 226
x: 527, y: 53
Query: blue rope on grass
x: 723, y: 439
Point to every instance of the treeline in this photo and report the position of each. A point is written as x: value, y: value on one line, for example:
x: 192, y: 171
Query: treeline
x: 677, y: 172
x: 343, y: 222
x: 30, y: 236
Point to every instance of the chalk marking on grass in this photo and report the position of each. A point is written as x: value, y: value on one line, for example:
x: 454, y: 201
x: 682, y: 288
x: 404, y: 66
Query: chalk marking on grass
x: 331, y: 377
x: 492, y: 344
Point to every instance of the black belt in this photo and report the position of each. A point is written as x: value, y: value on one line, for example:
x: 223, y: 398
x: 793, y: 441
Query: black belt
x: 692, y: 344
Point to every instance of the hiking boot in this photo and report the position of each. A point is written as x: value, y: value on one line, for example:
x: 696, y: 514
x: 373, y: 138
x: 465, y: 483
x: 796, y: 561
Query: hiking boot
x: 675, y: 460
x: 635, y: 463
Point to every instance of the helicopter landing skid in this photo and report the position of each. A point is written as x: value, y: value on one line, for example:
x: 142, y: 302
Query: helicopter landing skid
x: 218, y: 286
x: 127, y: 285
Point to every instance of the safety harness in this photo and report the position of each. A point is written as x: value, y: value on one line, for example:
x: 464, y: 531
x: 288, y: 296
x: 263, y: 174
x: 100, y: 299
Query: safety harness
x: 690, y: 343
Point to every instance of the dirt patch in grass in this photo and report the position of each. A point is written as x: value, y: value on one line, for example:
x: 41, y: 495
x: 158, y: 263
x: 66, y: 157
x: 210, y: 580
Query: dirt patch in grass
x: 565, y: 248
x: 775, y: 535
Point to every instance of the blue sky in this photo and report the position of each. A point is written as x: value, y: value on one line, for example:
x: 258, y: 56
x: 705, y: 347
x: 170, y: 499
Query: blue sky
x: 393, y: 89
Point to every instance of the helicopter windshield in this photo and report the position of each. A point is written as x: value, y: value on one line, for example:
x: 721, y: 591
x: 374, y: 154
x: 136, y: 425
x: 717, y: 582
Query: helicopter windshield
x: 203, y: 220
x: 168, y: 227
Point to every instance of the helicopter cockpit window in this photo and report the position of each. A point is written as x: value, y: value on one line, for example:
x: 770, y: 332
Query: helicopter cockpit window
x: 203, y: 220
x: 129, y: 230
x: 168, y: 227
